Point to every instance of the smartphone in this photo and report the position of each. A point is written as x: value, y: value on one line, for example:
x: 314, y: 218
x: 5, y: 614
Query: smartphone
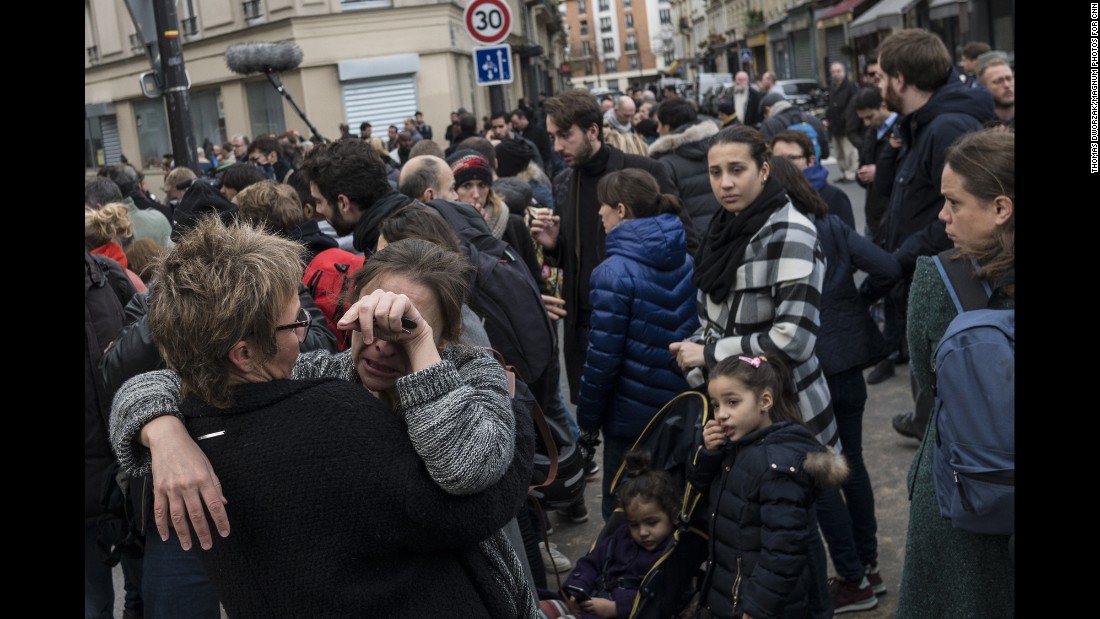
x: 577, y: 593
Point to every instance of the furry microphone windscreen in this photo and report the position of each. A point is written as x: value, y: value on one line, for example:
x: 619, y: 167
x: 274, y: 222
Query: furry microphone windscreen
x: 246, y: 58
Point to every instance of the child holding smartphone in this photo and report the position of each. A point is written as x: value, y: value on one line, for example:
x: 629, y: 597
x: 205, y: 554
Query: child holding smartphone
x: 605, y: 581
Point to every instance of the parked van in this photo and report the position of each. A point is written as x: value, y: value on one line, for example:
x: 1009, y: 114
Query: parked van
x: 711, y: 83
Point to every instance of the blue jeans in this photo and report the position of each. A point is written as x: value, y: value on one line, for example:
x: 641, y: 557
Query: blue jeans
x: 99, y: 586
x: 174, y: 583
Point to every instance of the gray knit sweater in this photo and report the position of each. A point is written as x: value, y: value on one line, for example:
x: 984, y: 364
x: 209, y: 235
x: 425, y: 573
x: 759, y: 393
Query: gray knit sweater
x: 459, y: 418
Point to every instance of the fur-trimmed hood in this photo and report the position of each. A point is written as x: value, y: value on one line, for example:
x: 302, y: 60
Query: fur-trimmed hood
x: 691, y: 135
x: 827, y: 468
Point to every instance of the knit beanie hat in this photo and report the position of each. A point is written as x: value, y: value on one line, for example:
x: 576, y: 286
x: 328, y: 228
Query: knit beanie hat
x: 513, y: 156
x: 468, y: 165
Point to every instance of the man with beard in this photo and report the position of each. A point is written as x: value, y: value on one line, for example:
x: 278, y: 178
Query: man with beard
x: 575, y: 234
x: 995, y: 74
x: 746, y: 100
x: 844, y: 126
x: 919, y: 82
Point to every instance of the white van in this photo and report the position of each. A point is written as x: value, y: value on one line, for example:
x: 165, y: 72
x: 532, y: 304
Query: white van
x: 709, y: 83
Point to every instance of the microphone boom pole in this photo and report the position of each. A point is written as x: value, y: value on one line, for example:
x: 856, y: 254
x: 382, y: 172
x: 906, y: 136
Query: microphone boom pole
x: 269, y: 59
x: 278, y: 84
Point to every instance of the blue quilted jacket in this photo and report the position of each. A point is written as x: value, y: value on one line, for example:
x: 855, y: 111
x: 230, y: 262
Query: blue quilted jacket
x: 643, y: 300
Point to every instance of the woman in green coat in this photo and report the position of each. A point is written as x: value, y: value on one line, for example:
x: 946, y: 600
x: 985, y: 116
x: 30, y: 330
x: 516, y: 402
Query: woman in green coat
x: 949, y: 572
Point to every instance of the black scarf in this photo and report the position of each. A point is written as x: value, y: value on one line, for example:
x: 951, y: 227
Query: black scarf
x: 723, y: 248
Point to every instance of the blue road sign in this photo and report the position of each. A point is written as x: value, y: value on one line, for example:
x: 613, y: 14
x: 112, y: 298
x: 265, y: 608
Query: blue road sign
x: 493, y: 64
x: 746, y: 55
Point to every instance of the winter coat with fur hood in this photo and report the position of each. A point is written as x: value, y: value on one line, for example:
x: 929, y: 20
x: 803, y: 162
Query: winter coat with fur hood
x: 761, y: 493
x: 684, y: 152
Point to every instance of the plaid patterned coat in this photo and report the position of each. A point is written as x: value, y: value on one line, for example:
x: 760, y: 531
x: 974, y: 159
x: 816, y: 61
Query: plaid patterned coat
x: 774, y: 304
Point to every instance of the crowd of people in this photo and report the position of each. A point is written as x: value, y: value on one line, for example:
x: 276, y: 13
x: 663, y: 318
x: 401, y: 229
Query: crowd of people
x: 273, y: 472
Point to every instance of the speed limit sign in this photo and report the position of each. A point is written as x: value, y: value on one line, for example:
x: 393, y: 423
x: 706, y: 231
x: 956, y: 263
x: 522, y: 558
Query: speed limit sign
x: 488, y: 21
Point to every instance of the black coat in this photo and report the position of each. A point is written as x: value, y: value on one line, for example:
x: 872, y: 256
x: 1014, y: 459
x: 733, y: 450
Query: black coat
x: 848, y: 337
x: 761, y: 501
x: 913, y: 227
x: 107, y: 289
x: 875, y: 207
x: 335, y: 514
x: 685, y: 153
x: 841, y: 112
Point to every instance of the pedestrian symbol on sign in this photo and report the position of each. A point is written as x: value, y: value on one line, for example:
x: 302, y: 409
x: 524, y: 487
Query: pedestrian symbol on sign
x: 493, y: 64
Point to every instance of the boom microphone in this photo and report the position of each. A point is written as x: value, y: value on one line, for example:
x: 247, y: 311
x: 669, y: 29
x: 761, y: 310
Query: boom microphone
x: 247, y: 58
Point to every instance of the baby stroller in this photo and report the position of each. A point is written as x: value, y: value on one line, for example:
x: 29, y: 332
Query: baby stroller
x: 671, y: 437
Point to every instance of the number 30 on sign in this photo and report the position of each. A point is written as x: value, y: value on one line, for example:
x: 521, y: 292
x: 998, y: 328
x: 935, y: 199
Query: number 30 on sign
x: 488, y: 21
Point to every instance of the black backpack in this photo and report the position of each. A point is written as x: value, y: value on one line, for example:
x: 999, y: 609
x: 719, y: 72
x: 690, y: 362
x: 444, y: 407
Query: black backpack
x: 107, y: 289
x: 506, y: 297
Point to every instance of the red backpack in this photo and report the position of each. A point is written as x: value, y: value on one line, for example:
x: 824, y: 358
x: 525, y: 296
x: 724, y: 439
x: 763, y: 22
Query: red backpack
x: 328, y: 277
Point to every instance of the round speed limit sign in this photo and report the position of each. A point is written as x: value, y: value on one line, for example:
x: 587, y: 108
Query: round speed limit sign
x: 488, y: 21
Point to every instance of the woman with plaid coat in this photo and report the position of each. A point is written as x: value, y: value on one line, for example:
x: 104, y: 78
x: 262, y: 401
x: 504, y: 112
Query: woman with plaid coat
x: 759, y: 270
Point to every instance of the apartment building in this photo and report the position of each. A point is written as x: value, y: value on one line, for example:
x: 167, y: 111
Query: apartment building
x: 618, y: 44
x: 363, y: 60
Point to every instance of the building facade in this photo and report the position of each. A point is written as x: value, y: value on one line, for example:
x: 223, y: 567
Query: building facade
x: 613, y: 45
x: 798, y: 39
x: 363, y: 60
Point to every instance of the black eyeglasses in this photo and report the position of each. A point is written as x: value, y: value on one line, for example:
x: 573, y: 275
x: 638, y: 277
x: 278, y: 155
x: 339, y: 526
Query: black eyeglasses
x: 303, y: 322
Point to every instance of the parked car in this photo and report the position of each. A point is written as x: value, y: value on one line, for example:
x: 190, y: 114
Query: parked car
x: 809, y: 95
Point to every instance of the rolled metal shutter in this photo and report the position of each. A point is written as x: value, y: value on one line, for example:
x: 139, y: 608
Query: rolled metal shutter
x: 380, y: 101
x: 112, y: 145
x: 802, y: 55
x: 834, y: 41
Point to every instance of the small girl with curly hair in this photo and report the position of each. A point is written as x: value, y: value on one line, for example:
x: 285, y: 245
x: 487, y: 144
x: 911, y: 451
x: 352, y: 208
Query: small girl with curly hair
x: 610, y: 575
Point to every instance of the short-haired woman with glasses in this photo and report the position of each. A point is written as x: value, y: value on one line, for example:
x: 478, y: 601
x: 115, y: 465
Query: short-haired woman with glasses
x: 341, y: 505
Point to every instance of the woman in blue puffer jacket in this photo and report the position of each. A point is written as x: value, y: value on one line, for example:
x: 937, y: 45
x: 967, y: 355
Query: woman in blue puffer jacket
x: 642, y: 301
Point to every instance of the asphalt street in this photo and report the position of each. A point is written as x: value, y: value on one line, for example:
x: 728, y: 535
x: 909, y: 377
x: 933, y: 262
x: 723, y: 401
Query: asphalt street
x: 887, y: 455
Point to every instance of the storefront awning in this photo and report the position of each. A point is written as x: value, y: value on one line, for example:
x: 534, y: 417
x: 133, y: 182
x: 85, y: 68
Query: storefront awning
x: 841, y: 7
x: 885, y: 14
x: 942, y: 9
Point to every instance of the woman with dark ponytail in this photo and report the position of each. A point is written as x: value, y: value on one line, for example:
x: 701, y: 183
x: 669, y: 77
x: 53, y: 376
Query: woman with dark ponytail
x: 642, y: 301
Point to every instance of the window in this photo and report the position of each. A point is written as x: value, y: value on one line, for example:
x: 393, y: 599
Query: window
x: 670, y: 56
x: 581, y: 7
x: 633, y: 62
x: 630, y: 20
x: 666, y: 16
x: 608, y: 45
x: 152, y: 128
x: 631, y: 43
x: 135, y: 44
x: 584, y: 28
x: 358, y: 5
x: 189, y: 22
x: 611, y: 65
x: 605, y: 5
x: 626, y: 4
x: 253, y: 9
x: 265, y: 108
x: 605, y: 24
x: 587, y: 47
x: 588, y: 67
